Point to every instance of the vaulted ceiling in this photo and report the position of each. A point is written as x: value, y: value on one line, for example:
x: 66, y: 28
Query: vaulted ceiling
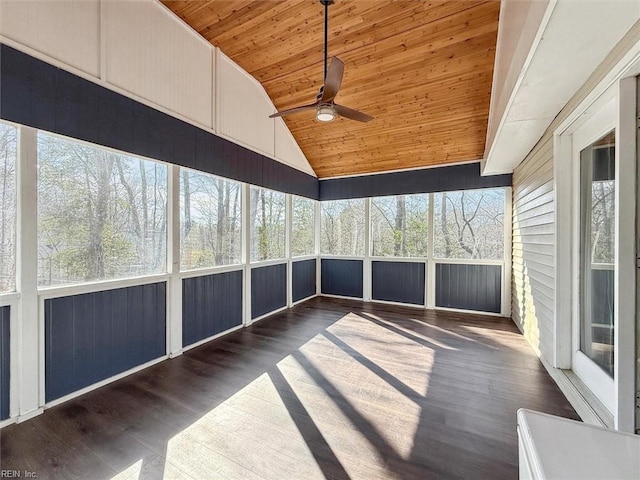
x: 423, y: 69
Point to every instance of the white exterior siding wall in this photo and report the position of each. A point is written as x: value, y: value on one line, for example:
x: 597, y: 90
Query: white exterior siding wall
x: 533, y: 248
x: 534, y: 236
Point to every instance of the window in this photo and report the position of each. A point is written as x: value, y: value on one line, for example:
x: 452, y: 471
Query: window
x: 101, y: 214
x: 210, y: 221
x: 342, y: 227
x: 8, y: 157
x: 399, y: 226
x: 469, y: 224
x: 303, y: 239
x: 267, y: 221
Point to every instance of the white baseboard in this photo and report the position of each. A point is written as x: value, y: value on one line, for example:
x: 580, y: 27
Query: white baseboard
x: 29, y: 415
x: 586, y: 405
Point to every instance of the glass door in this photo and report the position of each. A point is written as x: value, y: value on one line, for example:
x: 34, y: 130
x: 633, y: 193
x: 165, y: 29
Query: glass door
x: 594, y: 326
x: 597, y: 251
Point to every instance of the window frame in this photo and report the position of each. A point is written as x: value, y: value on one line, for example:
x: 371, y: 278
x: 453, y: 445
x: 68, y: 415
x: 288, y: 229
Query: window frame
x: 285, y: 236
x: 474, y: 261
x: 88, y: 286
x: 416, y: 258
x: 365, y: 234
x: 313, y: 225
x: 197, y: 271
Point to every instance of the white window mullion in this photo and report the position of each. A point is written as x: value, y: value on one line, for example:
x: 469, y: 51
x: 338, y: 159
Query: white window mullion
x: 246, y: 253
x: 366, y: 266
x: 174, y: 290
x: 431, y: 265
x: 505, y: 309
x: 287, y: 247
x: 318, y: 210
x: 30, y: 331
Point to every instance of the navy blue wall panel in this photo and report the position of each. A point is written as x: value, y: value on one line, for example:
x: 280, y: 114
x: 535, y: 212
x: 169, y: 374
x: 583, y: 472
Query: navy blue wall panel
x: 93, y: 336
x: 5, y: 361
x: 39, y: 95
x: 441, y: 179
x: 303, y: 279
x: 341, y: 277
x: 469, y: 287
x: 268, y: 289
x: 402, y: 282
x: 210, y: 305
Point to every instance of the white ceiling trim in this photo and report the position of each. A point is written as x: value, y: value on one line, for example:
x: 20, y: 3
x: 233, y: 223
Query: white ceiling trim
x: 573, y: 38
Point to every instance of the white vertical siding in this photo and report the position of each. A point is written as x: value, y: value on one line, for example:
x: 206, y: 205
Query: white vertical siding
x: 243, y: 108
x: 67, y: 31
x: 151, y: 55
x: 287, y: 150
x: 141, y: 49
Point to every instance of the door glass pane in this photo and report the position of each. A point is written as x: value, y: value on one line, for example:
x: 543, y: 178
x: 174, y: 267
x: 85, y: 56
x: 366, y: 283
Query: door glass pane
x: 597, y: 251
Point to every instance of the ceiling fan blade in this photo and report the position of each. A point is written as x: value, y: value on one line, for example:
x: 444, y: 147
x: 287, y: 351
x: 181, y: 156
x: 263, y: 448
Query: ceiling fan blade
x: 333, y: 81
x: 294, y: 110
x: 351, y: 113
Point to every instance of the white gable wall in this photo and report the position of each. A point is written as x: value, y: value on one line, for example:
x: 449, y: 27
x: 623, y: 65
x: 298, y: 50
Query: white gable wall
x: 142, y: 50
x: 149, y: 54
x: 66, y: 31
x: 243, y: 108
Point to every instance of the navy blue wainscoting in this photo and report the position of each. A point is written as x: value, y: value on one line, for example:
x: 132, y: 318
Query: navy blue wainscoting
x: 398, y: 282
x: 93, y: 336
x: 5, y: 361
x: 303, y: 278
x: 268, y: 289
x: 342, y: 277
x: 211, y: 304
x: 469, y: 287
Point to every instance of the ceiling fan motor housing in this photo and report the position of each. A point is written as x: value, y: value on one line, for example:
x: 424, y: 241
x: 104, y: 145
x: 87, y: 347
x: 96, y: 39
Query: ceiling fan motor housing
x: 325, y: 107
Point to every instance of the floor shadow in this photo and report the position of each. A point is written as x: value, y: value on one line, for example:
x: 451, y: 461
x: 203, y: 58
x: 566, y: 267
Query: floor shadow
x: 320, y: 449
x: 396, y: 383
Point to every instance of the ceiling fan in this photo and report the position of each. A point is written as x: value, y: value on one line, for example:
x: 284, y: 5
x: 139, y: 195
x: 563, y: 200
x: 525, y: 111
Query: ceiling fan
x: 325, y: 106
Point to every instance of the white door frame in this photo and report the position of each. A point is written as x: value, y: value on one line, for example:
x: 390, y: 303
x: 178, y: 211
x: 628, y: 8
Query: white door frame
x: 620, y: 84
x: 597, y: 123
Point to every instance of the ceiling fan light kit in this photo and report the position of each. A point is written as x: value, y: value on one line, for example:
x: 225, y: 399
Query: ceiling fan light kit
x: 325, y: 107
x: 325, y: 113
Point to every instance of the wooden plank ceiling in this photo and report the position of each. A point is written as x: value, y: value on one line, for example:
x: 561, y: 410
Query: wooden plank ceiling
x: 422, y: 69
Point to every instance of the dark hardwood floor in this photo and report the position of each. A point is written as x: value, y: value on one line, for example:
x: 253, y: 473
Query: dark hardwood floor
x: 330, y: 389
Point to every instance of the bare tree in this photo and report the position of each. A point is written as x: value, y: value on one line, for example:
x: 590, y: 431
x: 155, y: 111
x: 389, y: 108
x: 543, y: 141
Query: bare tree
x: 400, y: 240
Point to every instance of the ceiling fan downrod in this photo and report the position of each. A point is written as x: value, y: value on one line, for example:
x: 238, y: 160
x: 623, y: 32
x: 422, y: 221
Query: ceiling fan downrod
x: 325, y: 106
x: 326, y: 4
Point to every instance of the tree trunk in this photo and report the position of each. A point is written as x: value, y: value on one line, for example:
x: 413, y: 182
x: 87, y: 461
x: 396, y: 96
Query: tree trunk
x: 264, y: 250
x: 98, y: 215
x: 445, y: 229
x: 220, y: 223
x: 400, y: 230
x: 186, y: 211
x: 145, y: 213
x: 253, y: 218
x: 3, y: 221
